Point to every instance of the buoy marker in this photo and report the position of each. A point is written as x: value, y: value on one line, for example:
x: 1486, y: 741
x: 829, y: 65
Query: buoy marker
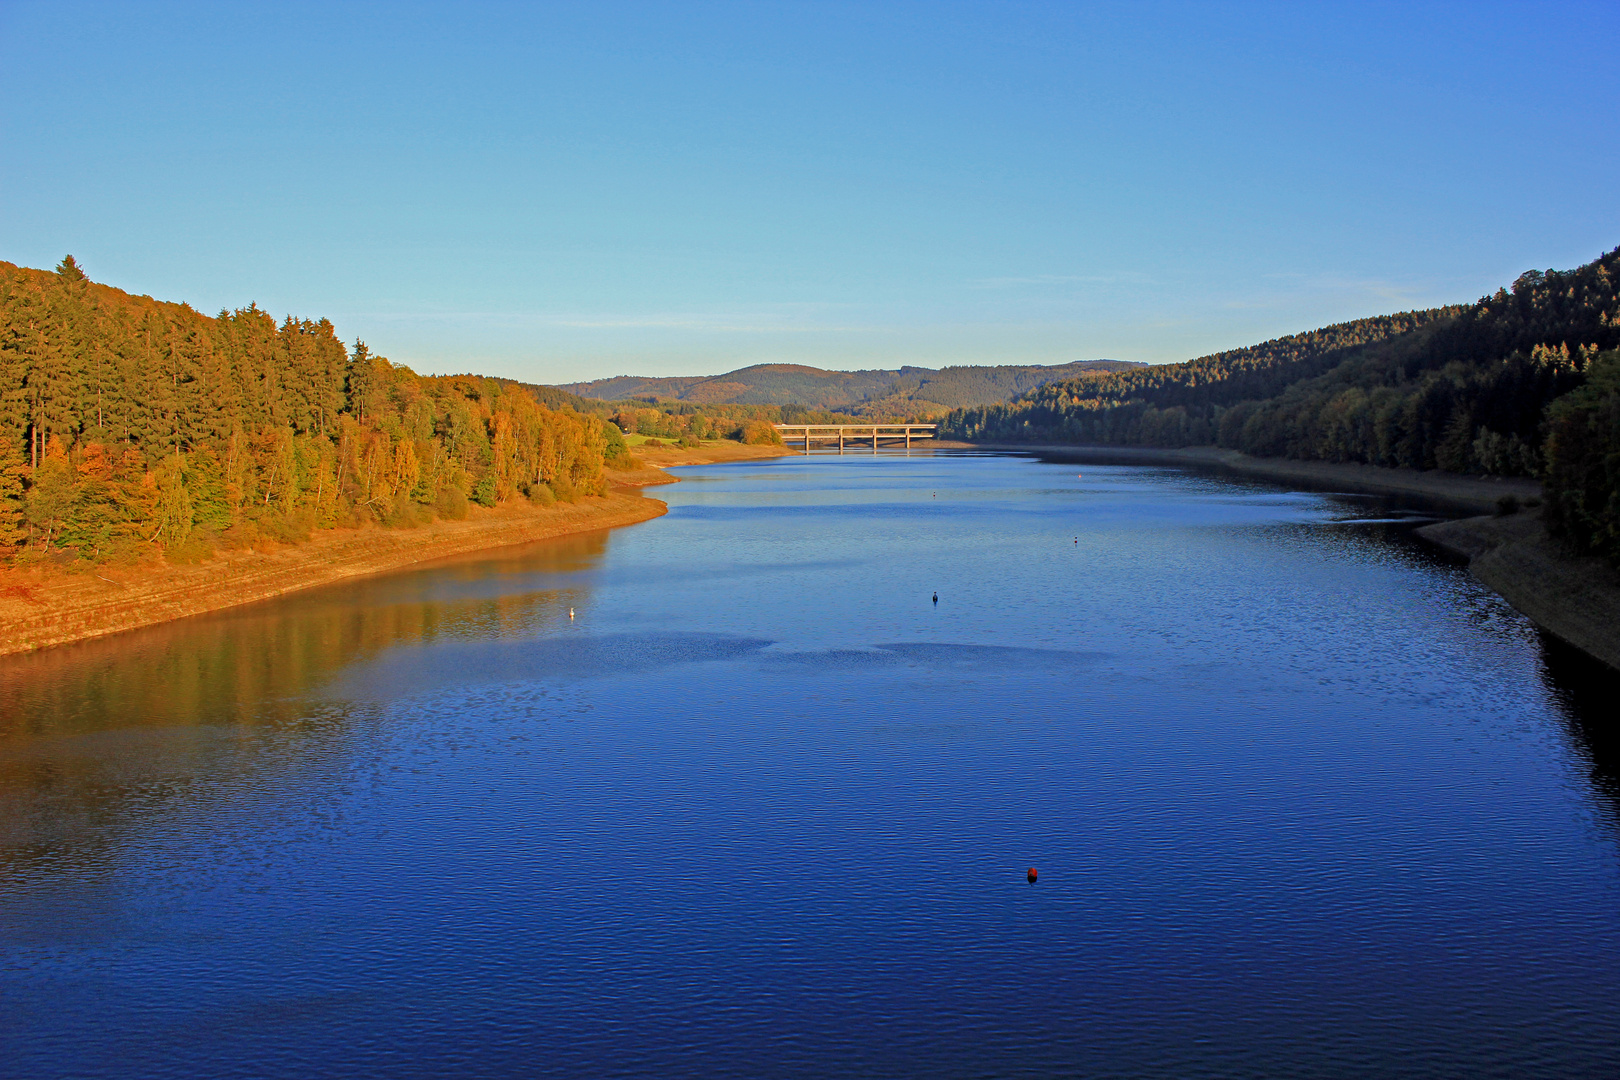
x: 1032, y: 875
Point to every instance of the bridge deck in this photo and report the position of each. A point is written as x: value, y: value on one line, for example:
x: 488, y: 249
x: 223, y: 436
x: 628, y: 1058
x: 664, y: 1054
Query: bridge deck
x: 859, y: 434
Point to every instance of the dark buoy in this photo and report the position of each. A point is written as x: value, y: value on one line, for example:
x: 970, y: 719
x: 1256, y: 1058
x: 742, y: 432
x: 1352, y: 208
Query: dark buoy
x: 1032, y: 875
x: 936, y: 598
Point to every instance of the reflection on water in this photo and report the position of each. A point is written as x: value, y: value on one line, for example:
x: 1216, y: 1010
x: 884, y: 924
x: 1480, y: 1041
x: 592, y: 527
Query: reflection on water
x: 250, y: 662
x: 1584, y: 689
x: 95, y: 731
x: 1306, y: 800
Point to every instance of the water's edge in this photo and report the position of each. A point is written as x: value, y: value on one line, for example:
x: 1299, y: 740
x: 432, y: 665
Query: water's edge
x: 1576, y: 600
x: 91, y: 606
x: 1470, y: 493
x: 736, y: 796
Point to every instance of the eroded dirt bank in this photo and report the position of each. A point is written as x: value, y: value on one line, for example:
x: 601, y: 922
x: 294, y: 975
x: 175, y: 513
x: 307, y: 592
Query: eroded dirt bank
x: 1575, y: 599
x: 1476, y: 493
x: 44, y: 606
x: 655, y: 459
x: 40, y: 608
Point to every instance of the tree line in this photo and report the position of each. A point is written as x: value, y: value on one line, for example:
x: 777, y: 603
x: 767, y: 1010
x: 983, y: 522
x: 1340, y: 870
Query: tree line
x: 688, y: 424
x: 906, y: 395
x: 130, y: 425
x: 1482, y: 389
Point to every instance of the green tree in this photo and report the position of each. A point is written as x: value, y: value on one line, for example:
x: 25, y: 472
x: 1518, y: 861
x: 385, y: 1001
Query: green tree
x: 145, y: 420
x: 1583, y: 462
x: 53, y: 493
x: 174, y: 511
x: 13, y: 524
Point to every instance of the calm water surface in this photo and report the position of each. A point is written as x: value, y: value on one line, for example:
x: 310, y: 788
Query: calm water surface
x: 1305, y: 799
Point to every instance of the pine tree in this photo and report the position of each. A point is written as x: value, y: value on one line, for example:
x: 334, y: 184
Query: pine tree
x: 13, y: 525
x: 126, y: 419
x: 68, y: 270
x: 54, y: 491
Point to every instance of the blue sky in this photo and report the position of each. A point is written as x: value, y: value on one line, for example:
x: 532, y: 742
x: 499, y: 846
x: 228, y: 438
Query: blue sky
x: 567, y: 191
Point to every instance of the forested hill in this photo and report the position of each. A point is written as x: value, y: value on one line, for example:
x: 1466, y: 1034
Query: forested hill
x: 908, y: 390
x: 129, y: 425
x: 1484, y: 388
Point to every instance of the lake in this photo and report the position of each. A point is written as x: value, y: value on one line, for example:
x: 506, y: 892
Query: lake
x: 1305, y: 799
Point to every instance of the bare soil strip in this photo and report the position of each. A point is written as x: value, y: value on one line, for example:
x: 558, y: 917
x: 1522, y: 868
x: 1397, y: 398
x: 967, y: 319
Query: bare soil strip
x: 656, y: 459
x: 40, y: 608
x: 1577, y: 600
x: 662, y: 457
x: 1574, y: 599
x: 1476, y: 493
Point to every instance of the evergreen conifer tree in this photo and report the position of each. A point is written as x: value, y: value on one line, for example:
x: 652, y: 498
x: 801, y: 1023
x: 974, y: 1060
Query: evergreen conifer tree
x: 13, y: 525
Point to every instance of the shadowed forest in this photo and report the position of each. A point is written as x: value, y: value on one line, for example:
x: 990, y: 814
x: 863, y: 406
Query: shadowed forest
x: 1526, y: 382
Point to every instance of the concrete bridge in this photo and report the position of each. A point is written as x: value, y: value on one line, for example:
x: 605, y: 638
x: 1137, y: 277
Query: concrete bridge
x: 860, y: 436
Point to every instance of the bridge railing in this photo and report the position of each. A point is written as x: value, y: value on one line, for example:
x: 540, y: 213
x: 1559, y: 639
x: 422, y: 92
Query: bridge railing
x: 859, y: 434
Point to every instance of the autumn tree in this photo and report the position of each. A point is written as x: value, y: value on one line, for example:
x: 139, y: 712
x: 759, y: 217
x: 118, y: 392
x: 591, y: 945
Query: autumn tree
x: 127, y: 423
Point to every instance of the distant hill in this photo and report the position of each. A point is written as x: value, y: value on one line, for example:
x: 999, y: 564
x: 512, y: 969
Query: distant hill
x: 907, y: 390
x: 551, y: 397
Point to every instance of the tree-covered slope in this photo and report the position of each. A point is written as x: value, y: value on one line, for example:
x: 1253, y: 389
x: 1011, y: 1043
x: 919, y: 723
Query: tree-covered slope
x: 1582, y: 475
x: 870, y: 393
x: 129, y: 425
x: 1467, y: 389
x: 1461, y: 388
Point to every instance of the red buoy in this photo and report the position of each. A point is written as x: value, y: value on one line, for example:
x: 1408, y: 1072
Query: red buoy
x: 1032, y: 875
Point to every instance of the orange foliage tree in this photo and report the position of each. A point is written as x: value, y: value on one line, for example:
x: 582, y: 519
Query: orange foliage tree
x: 130, y: 425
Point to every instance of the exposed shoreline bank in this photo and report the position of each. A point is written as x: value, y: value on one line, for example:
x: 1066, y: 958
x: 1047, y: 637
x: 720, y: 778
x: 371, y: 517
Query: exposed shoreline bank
x: 1475, y: 493
x: 1577, y: 600
x: 44, y: 608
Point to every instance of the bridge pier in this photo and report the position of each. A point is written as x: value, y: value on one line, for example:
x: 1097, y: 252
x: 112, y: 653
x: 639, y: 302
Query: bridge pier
x: 851, y: 435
